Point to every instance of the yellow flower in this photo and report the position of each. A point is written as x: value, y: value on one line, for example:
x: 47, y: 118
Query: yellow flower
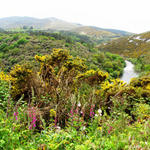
x: 4, y: 76
x: 148, y: 86
x: 52, y: 113
x: 99, y: 128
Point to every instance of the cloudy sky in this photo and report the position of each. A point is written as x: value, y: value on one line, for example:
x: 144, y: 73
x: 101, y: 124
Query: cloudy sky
x: 129, y: 15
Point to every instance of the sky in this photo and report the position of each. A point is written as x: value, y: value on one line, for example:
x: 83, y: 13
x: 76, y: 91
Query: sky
x: 128, y: 15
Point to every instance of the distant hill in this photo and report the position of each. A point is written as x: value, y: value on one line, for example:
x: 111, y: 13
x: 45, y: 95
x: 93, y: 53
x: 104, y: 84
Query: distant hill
x: 93, y: 31
x: 100, y: 34
x: 95, y: 34
x: 1, y: 30
x: 51, y: 23
x: 115, y: 31
x: 47, y: 23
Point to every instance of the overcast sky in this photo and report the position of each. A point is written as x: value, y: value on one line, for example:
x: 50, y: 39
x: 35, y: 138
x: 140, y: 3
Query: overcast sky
x: 129, y: 15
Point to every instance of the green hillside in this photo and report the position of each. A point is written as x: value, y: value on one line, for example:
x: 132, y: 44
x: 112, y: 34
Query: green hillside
x: 136, y: 47
x: 21, y: 47
x: 17, y: 47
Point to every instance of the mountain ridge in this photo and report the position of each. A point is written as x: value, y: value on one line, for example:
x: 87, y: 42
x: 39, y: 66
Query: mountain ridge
x: 47, y: 23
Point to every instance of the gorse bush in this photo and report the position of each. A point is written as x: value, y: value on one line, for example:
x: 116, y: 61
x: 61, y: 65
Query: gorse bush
x: 59, y: 78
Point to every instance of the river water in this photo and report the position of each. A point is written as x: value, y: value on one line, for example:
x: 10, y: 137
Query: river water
x: 128, y: 72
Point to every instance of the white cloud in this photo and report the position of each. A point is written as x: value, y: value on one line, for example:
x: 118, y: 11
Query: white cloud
x: 130, y: 15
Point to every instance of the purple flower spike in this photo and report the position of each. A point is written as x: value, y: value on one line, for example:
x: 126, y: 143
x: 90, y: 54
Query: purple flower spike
x: 32, y: 115
x: 16, y: 115
x: 71, y: 112
x: 55, y: 121
x: 109, y: 129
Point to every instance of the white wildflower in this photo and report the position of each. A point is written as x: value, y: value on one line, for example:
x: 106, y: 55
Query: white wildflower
x: 100, y: 112
x: 83, y: 127
x: 58, y: 127
x: 79, y: 104
x: 146, y: 143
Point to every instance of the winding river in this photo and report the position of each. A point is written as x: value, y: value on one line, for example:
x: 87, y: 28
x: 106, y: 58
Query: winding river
x: 128, y: 72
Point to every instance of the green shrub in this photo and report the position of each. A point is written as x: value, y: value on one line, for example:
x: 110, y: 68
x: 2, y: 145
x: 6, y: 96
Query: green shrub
x: 3, y: 47
x: 22, y: 41
x: 4, y: 94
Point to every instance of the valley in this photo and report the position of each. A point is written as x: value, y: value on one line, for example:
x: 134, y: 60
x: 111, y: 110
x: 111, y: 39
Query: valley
x: 66, y: 86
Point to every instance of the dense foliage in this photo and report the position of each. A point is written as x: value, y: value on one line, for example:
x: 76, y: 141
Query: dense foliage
x: 109, y: 62
x: 62, y: 104
x: 22, y: 47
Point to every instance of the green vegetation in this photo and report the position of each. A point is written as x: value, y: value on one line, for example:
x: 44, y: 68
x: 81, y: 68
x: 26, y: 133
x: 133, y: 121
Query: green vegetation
x: 135, y: 48
x: 57, y: 91
x: 22, y: 47
x: 59, y: 103
x: 109, y: 62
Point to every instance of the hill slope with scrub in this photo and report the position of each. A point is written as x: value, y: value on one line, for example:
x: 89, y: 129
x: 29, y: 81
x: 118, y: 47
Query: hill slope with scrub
x: 21, y: 47
x: 135, y: 47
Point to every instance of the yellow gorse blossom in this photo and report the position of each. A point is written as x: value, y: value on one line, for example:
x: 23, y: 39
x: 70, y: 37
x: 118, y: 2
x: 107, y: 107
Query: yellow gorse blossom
x: 148, y: 87
x: 92, y: 76
x: 52, y: 113
x: 99, y: 128
x: 40, y: 58
x: 5, y: 77
x: 114, y: 84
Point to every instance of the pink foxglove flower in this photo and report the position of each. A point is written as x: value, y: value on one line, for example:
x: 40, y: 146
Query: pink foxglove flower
x: 71, y: 111
x: 16, y: 115
x: 32, y: 115
x: 109, y: 130
x: 55, y: 121
x: 92, y: 111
